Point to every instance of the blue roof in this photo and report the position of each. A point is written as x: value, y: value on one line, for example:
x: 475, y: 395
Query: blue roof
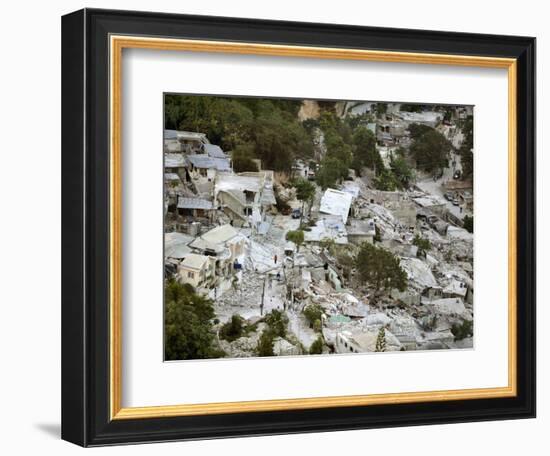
x: 205, y: 162
x: 170, y: 134
x: 214, y: 151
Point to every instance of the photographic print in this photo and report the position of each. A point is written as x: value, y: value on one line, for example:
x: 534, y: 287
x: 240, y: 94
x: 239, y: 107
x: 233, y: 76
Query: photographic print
x: 316, y: 227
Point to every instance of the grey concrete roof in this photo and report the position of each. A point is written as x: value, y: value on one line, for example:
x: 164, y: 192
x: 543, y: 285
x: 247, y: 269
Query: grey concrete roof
x: 214, y: 151
x: 194, y: 203
x: 174, y: 161
x: 203, y: 161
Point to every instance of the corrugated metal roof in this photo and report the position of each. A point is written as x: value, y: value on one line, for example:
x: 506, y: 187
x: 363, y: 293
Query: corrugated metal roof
x: 227, y: 182
x: 194, y: 203
x: 171, y: 177
x: 175, y: 245
x: 170, y: 134
x: 194, y: 261
x: 206, y: 162
x: 219, y: 234
x: 174, y: 161
x: 335, y: 202
x: 214, y: 151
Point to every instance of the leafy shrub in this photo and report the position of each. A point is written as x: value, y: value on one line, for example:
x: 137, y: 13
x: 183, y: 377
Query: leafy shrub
x: 421, y: 243
x: 233, y: 329
x: 313, y: 312
x: 316, y: 347
x: 265, y: 344
x: 277, y: 321
x: 466, y: 329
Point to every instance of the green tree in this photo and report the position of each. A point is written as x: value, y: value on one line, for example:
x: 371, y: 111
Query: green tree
x: 313, y: 312
x: 402, y: 171
x: 242, y: 158
x: 431, y: 150
x: 279, y: 138
x: 316, y: 347
x: 421, y: 243
x: 346, y: 261
x: 233, y: 329
x: 466, y: 329
x: 265, y: 344
x: 468, y: 223
x: 188, y: 324
x: 381, y: 108
x: 330, y: 172
x: 244, y: 164
x: 380, y: 268
x: 365, y: 152
x: 337, y: 148
x: 381, y: 340
x: 411, y: 107
x: 277, y: 322
x: 417, y: 130
x: 305, y: 192
x: 386, y: 181
x: 297, y: 237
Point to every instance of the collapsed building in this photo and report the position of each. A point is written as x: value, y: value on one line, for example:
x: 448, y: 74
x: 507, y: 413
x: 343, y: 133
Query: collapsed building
x: 245, y: 197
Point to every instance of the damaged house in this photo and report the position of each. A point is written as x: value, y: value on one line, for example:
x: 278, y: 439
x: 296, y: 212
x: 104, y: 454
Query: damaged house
x: 197, y: 271
x: 187, y: 142
x: 244, y: 197
x: 195, y: 207
x: 225, y: 246
x: 203, y: 166
x: 360, y: 231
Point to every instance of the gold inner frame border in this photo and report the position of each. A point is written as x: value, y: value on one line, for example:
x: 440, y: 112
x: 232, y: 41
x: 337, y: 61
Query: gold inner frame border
x: 116, y: 46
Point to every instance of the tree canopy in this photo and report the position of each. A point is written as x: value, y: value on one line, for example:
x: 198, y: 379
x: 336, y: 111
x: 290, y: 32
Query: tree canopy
x: 402, y: 171
x: 430, y: 148
x: 242, y: 158
x: 305, y: 192
x: 188, y: 324
x: 296, y: 236
x: 365, y: 152
x: 380, y: 268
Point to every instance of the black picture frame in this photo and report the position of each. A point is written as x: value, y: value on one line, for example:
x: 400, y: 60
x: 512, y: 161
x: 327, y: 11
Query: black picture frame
x: 85, y: 225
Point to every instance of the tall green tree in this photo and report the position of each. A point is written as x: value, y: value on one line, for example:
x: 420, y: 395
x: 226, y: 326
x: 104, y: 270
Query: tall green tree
x: 188, y: 324
x: 316, y: 347
x: 469, y: 223
x: 305, y: 192
x: 330, y: 172
x: 431, y: 150
x: 417, y: 130
x: 381, y: 108
x: 265, y: 344
x: 380, y: 268
x: 402, y: 171
x: 364, y: 151
x: 381, y: 340
x: 386, y: 181
x: 242, y: 158
x: 411, y: 107
x: 297, y: 237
